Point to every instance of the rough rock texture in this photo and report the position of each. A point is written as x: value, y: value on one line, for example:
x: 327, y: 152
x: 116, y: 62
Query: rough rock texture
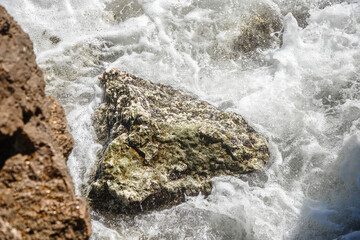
x: 162, y: 143
x: 261, y: 31
x: 37, y: 199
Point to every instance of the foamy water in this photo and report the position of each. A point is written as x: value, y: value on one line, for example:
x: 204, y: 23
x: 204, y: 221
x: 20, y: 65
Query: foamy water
x: 304, y: 96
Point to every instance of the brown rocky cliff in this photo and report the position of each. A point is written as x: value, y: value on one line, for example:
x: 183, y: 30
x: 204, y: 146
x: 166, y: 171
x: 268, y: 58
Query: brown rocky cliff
x: 37, y: 199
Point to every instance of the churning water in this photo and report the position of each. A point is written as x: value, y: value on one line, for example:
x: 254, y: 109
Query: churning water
x: 302, y: 92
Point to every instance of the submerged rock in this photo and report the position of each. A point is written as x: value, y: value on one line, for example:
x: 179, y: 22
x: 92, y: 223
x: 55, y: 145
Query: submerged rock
x: 260, y: 31
x: 37, y: 199
x: 162, y: 144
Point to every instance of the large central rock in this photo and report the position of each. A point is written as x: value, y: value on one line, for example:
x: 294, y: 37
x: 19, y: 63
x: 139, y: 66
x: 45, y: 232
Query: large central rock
x: 161, y: 144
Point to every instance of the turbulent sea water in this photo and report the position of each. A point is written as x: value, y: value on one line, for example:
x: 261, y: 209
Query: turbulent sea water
x: 302, y: 92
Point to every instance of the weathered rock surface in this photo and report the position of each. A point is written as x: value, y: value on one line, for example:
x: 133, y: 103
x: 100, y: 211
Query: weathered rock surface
x: 37, y: 199
x: 161, y: 143
x: 261, y: 31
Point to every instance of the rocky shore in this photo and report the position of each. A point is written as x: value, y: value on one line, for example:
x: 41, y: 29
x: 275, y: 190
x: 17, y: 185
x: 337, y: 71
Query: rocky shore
x: 37, y: 199
x: 161, y: 144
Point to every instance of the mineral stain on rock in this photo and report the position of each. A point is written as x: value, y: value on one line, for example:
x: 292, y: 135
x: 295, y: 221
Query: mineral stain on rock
x: 161, y: 144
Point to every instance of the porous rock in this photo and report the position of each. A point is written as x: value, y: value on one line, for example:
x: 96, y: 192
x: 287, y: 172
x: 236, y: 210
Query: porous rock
x: 261, y: 30
x: 37, y: 199
x: 161, y: 144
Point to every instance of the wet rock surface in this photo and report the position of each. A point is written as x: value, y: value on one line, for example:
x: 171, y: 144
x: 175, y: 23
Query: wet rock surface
x: 161, y: 144
x: 37, y: 199
x: 261, y: 30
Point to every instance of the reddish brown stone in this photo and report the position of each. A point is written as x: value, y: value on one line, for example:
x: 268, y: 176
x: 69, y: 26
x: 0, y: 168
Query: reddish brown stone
x: 37, y: 199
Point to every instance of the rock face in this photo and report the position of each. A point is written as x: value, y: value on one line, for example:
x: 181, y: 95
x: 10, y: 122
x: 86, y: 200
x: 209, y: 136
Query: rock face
x: 162, y: 143
x: 262, y: 30
x: 37, y: 199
